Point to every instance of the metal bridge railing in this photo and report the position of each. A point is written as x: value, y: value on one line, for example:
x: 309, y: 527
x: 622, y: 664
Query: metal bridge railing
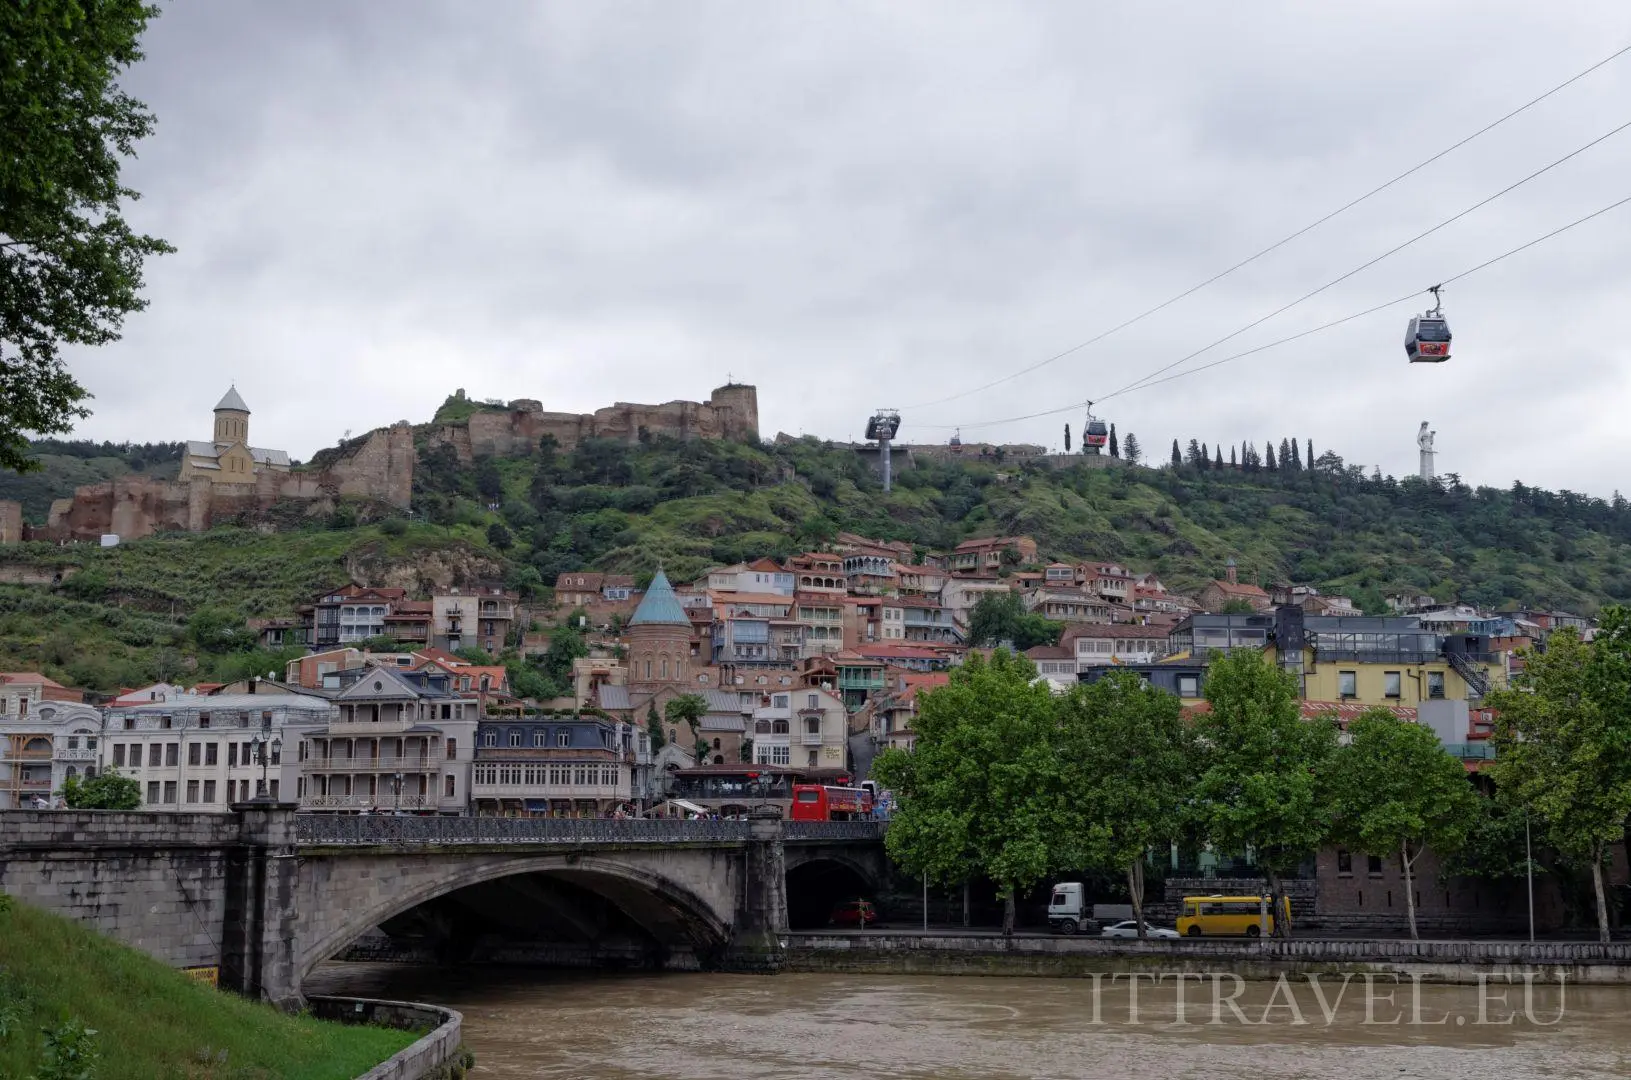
x: 833, y: 830
x: 370, y: 829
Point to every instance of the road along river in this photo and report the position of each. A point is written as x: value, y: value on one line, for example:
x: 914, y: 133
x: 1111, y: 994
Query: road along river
x: 527, y: 1023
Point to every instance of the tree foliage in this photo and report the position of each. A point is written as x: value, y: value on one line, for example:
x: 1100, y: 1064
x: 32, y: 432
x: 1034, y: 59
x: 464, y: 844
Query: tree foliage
x: 1563, y: 744
x: 1263, y: 768
x: 70, y: 265
x: 1397, y: 791
x: 982, y: 790
x: 1129, y: 762
x: 106, y: 791
x: 1000, y: 618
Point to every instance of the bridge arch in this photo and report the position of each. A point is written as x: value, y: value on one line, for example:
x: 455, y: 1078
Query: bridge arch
x: 338, y: 907
x: 818, y: 880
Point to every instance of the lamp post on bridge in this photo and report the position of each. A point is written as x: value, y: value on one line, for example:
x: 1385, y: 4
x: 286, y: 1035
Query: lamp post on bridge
x: 266, y: 745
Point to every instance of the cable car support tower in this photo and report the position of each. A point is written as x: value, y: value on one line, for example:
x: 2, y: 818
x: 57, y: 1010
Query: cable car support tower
x: 881, y: 427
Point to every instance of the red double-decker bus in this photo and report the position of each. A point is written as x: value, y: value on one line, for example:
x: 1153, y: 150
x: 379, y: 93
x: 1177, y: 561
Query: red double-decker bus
x: 826, y: 802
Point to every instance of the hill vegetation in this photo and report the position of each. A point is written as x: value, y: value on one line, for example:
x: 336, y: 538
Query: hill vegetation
x: 148, y: 1021
x: 64, y: 466
x: 156, y: 607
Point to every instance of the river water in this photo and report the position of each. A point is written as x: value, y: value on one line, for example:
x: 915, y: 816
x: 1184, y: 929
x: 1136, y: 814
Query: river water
x: 525, y: 1024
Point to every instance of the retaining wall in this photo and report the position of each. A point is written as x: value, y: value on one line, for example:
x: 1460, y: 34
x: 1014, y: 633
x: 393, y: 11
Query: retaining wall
x: 1432, y: 961
x: 433, y: 1055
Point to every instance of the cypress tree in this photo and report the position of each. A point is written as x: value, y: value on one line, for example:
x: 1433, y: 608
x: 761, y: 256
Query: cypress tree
x: 1310, y: 455
x: 1218, y: 451
x: 1177, y: 458
x: 1205, y: 460
x: 1067, y: 436
x: 1232, y: 462
x: 1115, y: 447
x: 1192, y: 456
x: 1268, y: 456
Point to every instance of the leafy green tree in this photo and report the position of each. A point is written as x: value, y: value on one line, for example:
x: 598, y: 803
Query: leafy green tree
x: 1398, y: 791
x: 217, y: 630
x: 982, y: 789
x: 527, y: 681
x: 1235, y: 607
x: 1000, y: 617
x: 70, y: 265
x: 107, y: 790
x: 1563, y: 744
x: 654, y: 728
x: 1262, y: 780
x: 499, y: 536
x: 1494, y: 846
x: 1132, y: 451
x: 1129, y: 768
x: 686, y: 710
x: 566, y: 644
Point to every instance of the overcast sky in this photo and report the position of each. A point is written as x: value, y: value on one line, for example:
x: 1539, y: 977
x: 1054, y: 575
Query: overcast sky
x: 858, y: 205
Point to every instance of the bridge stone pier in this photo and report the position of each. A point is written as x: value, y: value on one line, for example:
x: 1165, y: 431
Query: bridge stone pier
x: 266, y: 895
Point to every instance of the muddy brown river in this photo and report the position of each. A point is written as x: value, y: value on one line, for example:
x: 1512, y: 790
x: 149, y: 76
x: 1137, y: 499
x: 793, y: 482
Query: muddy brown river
x: 525, y: 1024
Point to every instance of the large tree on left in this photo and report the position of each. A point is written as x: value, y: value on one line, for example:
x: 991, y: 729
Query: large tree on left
x: 70, y: 265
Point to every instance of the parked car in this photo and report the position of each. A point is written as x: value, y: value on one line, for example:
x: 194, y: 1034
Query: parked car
x: 1129, y: 929
x: 859, y: 913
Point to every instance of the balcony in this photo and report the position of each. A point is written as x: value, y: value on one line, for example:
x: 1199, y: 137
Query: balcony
x: 383, y: 763
x: 549, y: 791
x: 810, y: 738
x: 29, y: 755
x: 77, y: 754
x: 31, y: 783
x: 366, y: 802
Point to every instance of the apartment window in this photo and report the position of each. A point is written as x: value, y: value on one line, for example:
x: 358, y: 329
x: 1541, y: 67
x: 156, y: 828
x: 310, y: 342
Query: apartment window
x: 152, y: 792
x: 172, y: 753
x: 1435, y: 684
x: 195, y: 756
x: 274, y: 786
x: 538, y: 738
x: 563, y: 738
x: 243, y: 791
x: 1345, y: 862
x: 1189, y: 686
x: 169, y: 793
x: 489, y: 738
x: 452, y: 749
x: 1391, y: 684
x: 166, y: 723
x: 781, y: 755
x: 1374, y: 865
x: 232, y: 755
x: 192, y: 791
x: 155, y: 753
x: 450, y: 786
x: 130, y: 723
x: 203, y: 721
x: 73, y: 742
x: 209, y: 791
x: 1348, y: 684
x: 277, y: 753
x: 212, y: 754
x: 118, y: 754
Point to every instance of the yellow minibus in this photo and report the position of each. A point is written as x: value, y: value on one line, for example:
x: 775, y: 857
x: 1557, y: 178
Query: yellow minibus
x: 1225, y: 916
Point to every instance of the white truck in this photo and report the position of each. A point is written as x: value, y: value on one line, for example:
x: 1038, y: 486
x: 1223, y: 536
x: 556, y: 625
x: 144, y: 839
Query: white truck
x: 1068, y: 912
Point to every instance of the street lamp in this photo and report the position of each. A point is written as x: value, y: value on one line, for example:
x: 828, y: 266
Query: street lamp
x: 265, y: 745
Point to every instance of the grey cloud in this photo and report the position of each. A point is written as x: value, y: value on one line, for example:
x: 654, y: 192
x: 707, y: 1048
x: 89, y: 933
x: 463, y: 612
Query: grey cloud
x: 864, y: 204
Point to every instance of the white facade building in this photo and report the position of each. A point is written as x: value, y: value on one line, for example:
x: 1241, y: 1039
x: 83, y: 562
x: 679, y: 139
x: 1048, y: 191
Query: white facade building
x: 805, y: 728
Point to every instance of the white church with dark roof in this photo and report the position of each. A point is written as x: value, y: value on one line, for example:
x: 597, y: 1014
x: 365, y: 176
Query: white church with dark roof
x: 230, y: 459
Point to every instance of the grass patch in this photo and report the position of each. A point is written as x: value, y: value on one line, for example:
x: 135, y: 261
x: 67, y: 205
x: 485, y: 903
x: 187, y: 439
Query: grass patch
x: 152, y: 1022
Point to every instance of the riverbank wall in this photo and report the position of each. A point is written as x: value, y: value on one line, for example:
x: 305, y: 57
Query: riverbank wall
x: 1447, y: 962
x: 437, y: 1055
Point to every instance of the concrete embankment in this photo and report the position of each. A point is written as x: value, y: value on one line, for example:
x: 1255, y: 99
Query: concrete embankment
x: 436, y: 1055
x: 1064, y: 957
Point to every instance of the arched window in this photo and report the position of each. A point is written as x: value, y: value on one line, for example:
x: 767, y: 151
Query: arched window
x: 716, y: 744
x: 665, y: 667
x: 648, y: 669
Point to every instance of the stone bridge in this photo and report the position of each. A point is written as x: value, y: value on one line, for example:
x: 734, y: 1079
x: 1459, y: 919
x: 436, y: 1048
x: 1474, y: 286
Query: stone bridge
x: 264, y: 894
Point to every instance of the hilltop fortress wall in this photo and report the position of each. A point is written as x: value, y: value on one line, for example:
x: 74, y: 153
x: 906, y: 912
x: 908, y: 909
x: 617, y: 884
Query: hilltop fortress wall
x: 731, y: 412
x: 377, y: 466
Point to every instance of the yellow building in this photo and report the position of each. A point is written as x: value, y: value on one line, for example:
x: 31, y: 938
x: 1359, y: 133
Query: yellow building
x: 1394, y: 683
x: 229, y: 459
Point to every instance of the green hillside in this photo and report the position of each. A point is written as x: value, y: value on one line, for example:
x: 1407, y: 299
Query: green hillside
x: 166, y: 606
x: 150, y: 1021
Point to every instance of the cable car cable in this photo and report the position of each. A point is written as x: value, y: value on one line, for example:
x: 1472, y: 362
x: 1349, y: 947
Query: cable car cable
x: 1372, y: 262
x: 1312, y: 330
x: 1281, y: 242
